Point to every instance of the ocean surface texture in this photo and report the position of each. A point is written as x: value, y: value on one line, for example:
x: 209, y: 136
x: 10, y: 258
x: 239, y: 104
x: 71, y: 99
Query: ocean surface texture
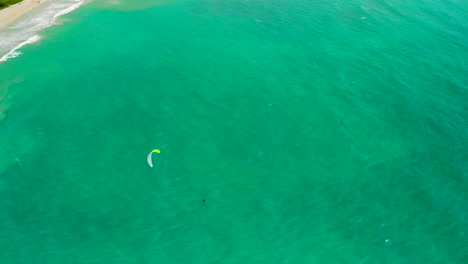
x: 316, y: 131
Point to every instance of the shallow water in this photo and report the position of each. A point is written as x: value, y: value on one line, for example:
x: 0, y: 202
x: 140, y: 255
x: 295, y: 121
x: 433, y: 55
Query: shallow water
x: 317, y: 132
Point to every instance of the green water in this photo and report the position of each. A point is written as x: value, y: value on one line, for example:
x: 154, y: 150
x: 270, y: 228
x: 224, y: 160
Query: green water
x: 317, y: 132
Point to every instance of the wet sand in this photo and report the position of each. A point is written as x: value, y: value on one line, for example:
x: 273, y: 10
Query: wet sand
x: 11, y: 13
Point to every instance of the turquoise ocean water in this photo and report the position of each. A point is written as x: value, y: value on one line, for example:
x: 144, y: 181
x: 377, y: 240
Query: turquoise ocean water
x: 316, y: 131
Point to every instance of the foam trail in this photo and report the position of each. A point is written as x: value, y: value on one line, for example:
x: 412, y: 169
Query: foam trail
x: 14, y: 53
x: 68, y: 10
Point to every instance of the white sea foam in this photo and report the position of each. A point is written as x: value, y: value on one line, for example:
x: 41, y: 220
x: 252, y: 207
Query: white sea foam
x: 14, y: 52
x: 68, y: 10
x: 25, y: 31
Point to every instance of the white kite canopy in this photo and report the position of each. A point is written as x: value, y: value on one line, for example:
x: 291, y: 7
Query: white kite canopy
x: 150, y: 157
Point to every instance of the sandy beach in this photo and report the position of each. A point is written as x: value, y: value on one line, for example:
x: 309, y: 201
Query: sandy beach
x: 11, y: 13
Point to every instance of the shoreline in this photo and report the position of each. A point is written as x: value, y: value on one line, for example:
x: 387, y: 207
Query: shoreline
x: 11, y: 13
x: 20, y: 24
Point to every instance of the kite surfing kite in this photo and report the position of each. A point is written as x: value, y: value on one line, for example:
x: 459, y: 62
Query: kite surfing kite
x: 150, y: 157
